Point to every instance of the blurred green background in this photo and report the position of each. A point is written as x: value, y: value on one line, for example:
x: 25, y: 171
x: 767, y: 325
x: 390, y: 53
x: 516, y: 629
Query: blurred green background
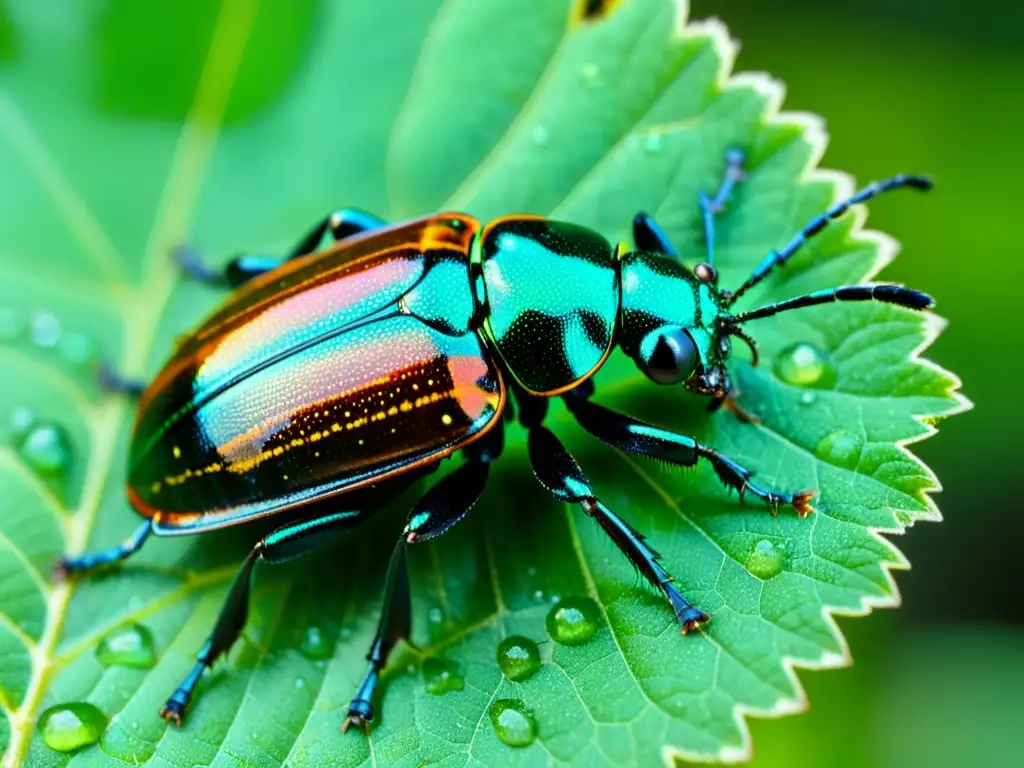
x: 930, y: 86
x: 905, y: 85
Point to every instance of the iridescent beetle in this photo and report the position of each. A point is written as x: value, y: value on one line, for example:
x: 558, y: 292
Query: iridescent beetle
x: 332, y: 379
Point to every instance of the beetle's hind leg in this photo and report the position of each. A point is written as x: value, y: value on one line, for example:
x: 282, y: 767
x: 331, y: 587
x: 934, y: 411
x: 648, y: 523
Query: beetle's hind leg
x: 634, y: 436
x: 280, y: 546
x: 341, y: 224
x: 440, y: 508
x: 109, y: 380
x: 70, y: 566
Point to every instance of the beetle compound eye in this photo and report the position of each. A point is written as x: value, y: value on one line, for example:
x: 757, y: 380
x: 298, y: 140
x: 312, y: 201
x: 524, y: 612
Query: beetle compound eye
x: 668, y: 355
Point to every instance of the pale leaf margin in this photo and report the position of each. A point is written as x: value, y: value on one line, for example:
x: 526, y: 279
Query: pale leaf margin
x: 813, y: 131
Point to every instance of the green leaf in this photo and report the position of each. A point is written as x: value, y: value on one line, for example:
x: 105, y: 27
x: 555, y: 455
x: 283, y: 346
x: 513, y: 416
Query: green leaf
x: 234, y: 125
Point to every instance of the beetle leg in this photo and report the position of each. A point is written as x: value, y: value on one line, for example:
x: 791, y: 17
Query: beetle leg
x: 69, y: 566
x: 634, y: 436
x: 559, y: 473
x: 440, y: 508
x: 341, y: 224
x: 649, y: 236
x: 109, y: 380
x: 280, y: 546
x: 710, y: 206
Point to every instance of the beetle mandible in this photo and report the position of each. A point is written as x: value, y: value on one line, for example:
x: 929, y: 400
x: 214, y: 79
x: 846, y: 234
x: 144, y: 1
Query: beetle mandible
x: 330, y: 380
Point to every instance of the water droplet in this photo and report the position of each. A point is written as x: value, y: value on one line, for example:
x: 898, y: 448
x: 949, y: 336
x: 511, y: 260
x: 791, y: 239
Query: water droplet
x: 441, y: 676
x: 21, y: 421
x: 805, y: 365
x: 77, y: 348
x: 45, y: 331
x: 11, y: 324
x: 513, y: 723
x: 592, y: 75
x: 540, y: 135
x: 47, y: 450
x: 765, y: 560
x: 345, y: 633
x: 130, y: 645
x: 572, y: 621
x: 435, y: 615
x: 531, y: 571
x: 538, y: 595
x: 518, y: 658
x: 300, y: 682
x: 807, y: 397
x: 315, y: 645
x: 842, y: 448
x: 653, y: 143
x: 71, y: 726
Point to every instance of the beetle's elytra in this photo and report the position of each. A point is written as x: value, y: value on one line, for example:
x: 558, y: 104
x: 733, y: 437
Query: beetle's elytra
x: 333, y: 378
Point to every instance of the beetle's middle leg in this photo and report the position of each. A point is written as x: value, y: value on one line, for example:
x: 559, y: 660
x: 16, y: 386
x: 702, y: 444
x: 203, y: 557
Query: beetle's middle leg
x: 341, y: 224
x: 441, y: 507
x: 634, y: 436
x: 559, y: 473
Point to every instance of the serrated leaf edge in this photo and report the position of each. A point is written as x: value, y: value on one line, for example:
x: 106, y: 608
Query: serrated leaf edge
x: 886, y: 247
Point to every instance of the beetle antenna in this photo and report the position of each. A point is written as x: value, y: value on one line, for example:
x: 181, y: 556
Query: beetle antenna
x: 888, y: 293
x: 775, y: 258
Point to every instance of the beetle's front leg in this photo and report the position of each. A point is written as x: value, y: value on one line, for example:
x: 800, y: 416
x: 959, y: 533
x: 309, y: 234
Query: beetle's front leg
x: 634, y: 436
x: 341, y: 224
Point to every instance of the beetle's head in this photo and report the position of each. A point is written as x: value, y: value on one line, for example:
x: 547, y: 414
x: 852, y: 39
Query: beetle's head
x: 674, y: 324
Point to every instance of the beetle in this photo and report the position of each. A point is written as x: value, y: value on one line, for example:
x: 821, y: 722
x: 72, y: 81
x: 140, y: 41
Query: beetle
x: 333, y: 378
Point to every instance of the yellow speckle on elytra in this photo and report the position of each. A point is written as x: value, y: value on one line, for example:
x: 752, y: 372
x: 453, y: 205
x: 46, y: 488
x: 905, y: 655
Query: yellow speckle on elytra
x: 446, y: 419
x: 176, y: 451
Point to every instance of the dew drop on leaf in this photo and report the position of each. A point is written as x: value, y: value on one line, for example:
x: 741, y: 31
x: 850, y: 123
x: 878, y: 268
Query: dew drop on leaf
x: 592, y: 75
x: 808, y: 397
x: 653, y: 143
x: 45, y: 331
x: 572, y: 621
x: 300, y: 683
x: 71, y: 726
x: 435, y: 615
x: 130, y: 645
x: 47, y: 450
x: 540, y: 135
x: 513, y: 723
x: 77, y: 348
x: 765, y: 560
x: 21, y: 420
x: 441, y: 676
x: 841, y: 448
x: 314, y: 644
x: 805, y: 365
x: 518, y: 658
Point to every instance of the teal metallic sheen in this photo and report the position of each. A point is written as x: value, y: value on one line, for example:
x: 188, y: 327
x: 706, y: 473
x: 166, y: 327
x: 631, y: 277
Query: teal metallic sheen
x: 551, y: 295
x: 659, y: 292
